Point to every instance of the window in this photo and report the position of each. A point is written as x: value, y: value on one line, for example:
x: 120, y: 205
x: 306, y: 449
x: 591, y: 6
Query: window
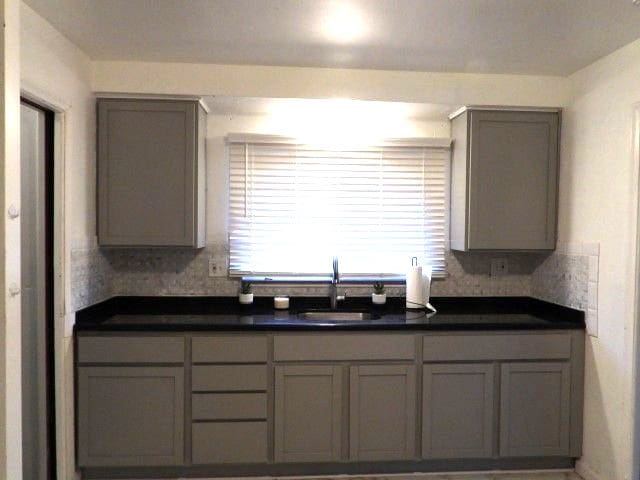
x: 293, y: 206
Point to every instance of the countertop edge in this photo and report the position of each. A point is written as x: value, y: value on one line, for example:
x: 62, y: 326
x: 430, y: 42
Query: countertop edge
x: 93, y: 318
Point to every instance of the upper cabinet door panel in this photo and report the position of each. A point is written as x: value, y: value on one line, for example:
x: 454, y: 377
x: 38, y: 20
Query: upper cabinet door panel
x: 148, y: 173
x: 513, y: 172
x: 504, y: 180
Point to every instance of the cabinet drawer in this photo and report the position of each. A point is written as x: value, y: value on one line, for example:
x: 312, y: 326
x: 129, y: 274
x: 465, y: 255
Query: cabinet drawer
x: 229, y: 378
x: 228, y: 406
x: 229, y: 442
x: 105, y: 349
x: 344, y: 347
x: 438, y: 348
x: 229, y: 349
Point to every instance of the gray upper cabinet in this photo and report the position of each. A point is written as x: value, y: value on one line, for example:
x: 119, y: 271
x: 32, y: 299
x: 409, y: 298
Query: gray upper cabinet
x: 504, y: 179
x: 382, y: 412
x: 130, y: 416
x: 457, y: 410
x: 151, y: 173
x: 308, y: 413
x: 535, y: 409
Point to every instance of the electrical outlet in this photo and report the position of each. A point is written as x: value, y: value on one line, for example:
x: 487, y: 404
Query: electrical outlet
x: 212, y: 267
x: 218, y: 266
x: 499, y: 266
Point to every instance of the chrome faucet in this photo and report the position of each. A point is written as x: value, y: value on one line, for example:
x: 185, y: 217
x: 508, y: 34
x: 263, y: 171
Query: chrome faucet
x: 335, y: 280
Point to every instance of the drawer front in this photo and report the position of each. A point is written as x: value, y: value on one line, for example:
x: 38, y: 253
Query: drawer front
x: 344, y: 347
x: 229, y: 349
x: 128, y: 349
x: 438, y: 348
x: 229, y: 378
x: 229, y: 442
x: 228, y: 406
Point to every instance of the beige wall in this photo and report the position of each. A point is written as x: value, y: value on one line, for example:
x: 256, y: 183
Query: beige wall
x: 55, y: 72
x: 598, y: 199
x: 286, y: 82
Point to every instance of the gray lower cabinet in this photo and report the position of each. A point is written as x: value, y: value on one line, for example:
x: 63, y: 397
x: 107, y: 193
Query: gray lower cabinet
x: 534, y: 409
x: 308, y: 413
x: 151, y: 172
x: 284, y: 398
x: 382, y: 407
x: 504, y: 179
x: 130, y: 416
x: 457, y: 410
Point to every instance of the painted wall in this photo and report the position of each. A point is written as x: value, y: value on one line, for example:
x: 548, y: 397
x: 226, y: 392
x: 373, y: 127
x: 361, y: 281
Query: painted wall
x: 55, y: 71
x: 10, y: 327
x: 288, y: 82
x: 598, y: 198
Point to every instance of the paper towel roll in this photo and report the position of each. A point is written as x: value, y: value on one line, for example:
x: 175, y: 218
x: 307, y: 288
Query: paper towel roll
x: 414, y: 287
x: 426, y: 286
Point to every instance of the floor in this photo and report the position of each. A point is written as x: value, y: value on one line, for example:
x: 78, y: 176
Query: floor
x: 524, y: 475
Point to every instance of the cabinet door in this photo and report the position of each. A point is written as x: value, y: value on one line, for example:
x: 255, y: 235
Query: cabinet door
x: 513, y: 171
x: 130, y: 416
x: 308, y: 413
x: 534, y: 409
x: 382, y: 412
x: 148, y: 190
x: 457, y: 410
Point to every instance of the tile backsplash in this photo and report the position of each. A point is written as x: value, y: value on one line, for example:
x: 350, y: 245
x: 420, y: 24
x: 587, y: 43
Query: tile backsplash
x: 567, y: 276
x: 91, y: 276
x: 186, y: 272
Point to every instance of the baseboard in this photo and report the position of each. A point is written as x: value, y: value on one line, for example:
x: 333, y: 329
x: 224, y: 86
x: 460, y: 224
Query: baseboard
x: 585, y: 471
x: 523, y: 474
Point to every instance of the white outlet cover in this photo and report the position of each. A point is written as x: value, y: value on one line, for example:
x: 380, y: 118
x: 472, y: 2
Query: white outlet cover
x: 218, y: 266
x: 499, y: 266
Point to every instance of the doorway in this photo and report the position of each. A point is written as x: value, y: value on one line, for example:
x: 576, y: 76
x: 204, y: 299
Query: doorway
x: 37, y: 241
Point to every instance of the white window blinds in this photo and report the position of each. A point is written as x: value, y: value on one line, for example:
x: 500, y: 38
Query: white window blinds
x: 293, y: 207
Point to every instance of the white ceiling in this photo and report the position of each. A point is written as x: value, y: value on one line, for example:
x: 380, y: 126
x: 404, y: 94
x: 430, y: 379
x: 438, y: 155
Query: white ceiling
x: 501, y: 36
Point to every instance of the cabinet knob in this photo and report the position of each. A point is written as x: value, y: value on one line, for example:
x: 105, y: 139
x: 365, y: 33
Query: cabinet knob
x: 14, y: 289
x: 14, y: 212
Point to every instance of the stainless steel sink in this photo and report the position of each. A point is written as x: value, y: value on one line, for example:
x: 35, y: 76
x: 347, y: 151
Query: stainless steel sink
x: 337, y: 316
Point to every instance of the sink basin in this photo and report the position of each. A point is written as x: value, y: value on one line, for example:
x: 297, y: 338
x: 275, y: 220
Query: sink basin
x: 335, y: 316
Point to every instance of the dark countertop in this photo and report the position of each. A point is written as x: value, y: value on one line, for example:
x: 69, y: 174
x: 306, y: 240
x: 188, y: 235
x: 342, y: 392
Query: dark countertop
x: 225, y: 314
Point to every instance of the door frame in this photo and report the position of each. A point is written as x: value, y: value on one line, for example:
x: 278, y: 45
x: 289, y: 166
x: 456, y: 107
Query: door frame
x: 61, y: 327
x: 635, y: 374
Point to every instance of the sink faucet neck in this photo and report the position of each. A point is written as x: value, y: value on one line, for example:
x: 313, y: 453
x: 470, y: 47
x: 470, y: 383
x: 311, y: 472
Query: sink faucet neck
x: 335, y: 279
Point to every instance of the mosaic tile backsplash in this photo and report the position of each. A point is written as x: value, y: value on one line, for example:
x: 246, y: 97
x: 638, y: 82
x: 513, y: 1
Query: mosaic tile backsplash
x: 91, y: 277
x: 567, y: 276
x: 176, y: 272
